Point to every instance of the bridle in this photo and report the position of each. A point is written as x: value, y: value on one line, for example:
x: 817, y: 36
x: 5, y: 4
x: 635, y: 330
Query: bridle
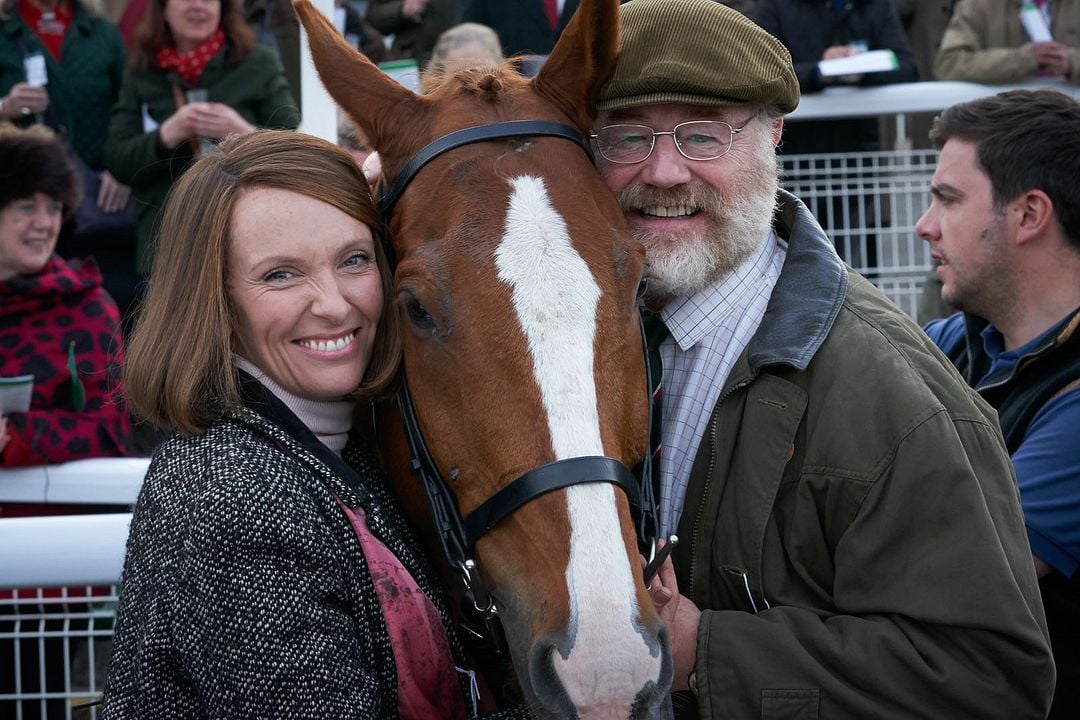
x: 458, y: 535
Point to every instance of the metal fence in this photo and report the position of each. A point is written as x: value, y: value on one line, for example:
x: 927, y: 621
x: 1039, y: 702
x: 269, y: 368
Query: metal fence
x: 868, y: 204
x: 54, y: 651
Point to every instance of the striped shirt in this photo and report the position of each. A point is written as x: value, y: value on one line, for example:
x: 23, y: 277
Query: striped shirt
x: 709, y: 330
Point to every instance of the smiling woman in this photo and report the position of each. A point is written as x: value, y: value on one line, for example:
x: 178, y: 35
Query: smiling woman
x: 269, y: 572
x: 57, y: 323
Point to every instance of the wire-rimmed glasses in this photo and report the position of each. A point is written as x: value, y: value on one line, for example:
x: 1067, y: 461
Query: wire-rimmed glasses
x: 696, y: 140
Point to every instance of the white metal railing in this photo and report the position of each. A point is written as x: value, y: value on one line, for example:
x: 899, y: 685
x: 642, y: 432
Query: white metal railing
x: 99, y: 481
x: 905, y: 98
x: 58, y: 592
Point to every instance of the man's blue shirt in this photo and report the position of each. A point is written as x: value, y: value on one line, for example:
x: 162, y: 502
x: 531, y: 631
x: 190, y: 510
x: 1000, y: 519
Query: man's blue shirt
x: 1048, y: 460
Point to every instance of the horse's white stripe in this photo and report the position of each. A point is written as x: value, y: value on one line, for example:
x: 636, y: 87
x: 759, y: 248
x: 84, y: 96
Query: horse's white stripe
x: 555, y: 297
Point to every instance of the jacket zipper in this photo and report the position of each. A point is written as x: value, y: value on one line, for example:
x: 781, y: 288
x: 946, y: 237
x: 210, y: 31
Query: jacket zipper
x: 708, y: 481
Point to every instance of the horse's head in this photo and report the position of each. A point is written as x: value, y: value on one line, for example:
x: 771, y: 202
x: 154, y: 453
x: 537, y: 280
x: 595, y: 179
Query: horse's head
x: 517, y: 280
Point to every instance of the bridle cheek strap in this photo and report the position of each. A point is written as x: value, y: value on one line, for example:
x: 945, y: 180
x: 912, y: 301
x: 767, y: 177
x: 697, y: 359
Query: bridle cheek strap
x: 542, y: 480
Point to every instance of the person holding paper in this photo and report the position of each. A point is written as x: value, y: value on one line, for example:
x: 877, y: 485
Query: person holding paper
x: 415, y: 24
x: 813, y: 32
x: 189, y: 45
x: 57, y: 323
x: 988, y: 41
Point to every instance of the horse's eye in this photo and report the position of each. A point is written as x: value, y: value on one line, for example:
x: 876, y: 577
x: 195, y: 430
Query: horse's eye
x: 418, y: 314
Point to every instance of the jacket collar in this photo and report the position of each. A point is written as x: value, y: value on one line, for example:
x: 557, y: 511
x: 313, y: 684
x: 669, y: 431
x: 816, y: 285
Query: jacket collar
x: 975, y: 328
x: 290, y: 433
x: 807, y: 297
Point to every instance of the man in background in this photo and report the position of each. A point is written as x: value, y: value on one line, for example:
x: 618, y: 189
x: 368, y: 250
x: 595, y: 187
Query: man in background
x: 1005, y: 224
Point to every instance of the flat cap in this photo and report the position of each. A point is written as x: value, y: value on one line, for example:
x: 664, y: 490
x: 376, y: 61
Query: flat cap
x: 698, y: 52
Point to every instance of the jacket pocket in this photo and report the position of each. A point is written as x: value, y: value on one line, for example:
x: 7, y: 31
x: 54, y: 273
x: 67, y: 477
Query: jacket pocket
x: 789, y: 704
x: 739, y: 593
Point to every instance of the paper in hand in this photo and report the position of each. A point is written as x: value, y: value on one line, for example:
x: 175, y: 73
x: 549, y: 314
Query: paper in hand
x: 15, y: 394
x: 860, y: 64
x: 1034, y: 22
x: 36, y: 74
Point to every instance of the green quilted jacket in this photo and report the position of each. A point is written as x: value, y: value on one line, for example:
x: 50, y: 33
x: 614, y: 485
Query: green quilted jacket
x: 83, y: 86
x: 255, y: 87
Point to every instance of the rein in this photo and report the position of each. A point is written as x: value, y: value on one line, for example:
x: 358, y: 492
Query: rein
x: 458, y: 535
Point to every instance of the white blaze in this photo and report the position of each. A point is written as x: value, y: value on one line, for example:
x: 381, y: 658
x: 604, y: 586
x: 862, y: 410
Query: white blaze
x: 555, y: 297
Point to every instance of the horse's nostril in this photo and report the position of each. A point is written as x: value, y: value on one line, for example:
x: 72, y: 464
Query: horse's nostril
x: 545, y: 681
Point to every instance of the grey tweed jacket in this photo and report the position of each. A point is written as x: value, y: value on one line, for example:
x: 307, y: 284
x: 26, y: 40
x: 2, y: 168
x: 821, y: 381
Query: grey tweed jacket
x: 245, y: 593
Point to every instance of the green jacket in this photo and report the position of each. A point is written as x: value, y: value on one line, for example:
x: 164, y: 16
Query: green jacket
x: 85, y: 83
x: 255, y: 88
x: 852, y: 529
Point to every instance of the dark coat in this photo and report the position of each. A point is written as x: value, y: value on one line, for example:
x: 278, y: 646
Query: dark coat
x: 245, y: 591
x: 255, y: 87
x: 411, y: 38
x: 807, y: 28
x: 852, y: 529
x: 522, y: 27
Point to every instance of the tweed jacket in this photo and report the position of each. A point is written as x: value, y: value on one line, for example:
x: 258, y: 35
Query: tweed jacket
x: 255, y: 88
x: 984, y: 42
x: 245, y: 591
x: 852, y: 528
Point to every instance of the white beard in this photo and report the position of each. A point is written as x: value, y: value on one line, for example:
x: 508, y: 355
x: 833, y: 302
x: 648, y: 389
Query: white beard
x: 681, y: 264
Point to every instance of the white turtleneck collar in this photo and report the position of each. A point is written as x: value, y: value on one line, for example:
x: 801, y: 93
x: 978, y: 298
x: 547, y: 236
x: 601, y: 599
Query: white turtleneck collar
x: 329, y: 421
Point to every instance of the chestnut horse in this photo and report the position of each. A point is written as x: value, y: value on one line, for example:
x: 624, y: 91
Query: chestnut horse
x: 517, y: 281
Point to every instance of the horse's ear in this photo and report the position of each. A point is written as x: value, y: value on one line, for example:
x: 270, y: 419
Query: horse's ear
x: 582, y: 61
x: 381, y: 107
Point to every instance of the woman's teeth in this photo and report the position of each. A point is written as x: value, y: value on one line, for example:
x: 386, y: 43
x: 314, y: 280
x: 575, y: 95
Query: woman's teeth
x: 329, y: 345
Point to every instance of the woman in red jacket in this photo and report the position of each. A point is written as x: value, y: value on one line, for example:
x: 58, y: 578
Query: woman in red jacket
x: 57, y: 323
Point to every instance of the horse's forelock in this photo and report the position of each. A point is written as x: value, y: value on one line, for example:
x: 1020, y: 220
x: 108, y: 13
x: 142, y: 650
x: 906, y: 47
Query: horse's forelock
x: 487, y: 82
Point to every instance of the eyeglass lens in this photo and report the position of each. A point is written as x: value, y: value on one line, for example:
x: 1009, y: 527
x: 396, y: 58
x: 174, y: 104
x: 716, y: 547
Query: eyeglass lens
x: 696, y: 140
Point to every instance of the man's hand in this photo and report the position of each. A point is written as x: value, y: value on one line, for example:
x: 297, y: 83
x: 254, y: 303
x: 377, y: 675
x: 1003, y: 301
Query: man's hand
x: 4, y: 437
x: 372, y: 169
x: 24, y: 99
x: 682, y: 618
x: 112, y: 195
x: 1053, y: 59
x: 841, y: 51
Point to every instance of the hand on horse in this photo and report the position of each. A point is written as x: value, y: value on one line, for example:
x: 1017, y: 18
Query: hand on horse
x: 372, y: 169
x: 682, y: 618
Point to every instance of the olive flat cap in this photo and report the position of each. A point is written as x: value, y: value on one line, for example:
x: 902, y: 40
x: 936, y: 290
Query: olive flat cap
x: 698, y: 52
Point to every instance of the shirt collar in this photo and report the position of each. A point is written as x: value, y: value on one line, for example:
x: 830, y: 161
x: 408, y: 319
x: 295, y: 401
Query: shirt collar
x: 994, y: 341
x: 695, y: 317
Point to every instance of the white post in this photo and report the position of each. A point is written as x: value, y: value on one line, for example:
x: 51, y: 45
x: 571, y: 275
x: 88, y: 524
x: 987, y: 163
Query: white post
x: 318, y: 112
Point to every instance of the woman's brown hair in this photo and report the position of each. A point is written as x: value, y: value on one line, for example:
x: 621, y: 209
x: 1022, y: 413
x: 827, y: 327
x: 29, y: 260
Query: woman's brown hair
x: 179, y: 370
x: 153, y: 32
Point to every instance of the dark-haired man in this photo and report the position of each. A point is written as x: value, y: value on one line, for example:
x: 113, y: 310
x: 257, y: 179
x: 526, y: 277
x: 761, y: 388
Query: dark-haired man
x: 1005, y: 225
x: 852, y: 540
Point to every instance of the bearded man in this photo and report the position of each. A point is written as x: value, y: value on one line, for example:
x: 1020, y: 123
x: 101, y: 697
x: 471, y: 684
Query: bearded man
x: 852, y: 540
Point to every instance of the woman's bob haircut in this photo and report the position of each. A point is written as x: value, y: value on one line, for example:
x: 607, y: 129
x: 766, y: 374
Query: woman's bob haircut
x: 179, y: 370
